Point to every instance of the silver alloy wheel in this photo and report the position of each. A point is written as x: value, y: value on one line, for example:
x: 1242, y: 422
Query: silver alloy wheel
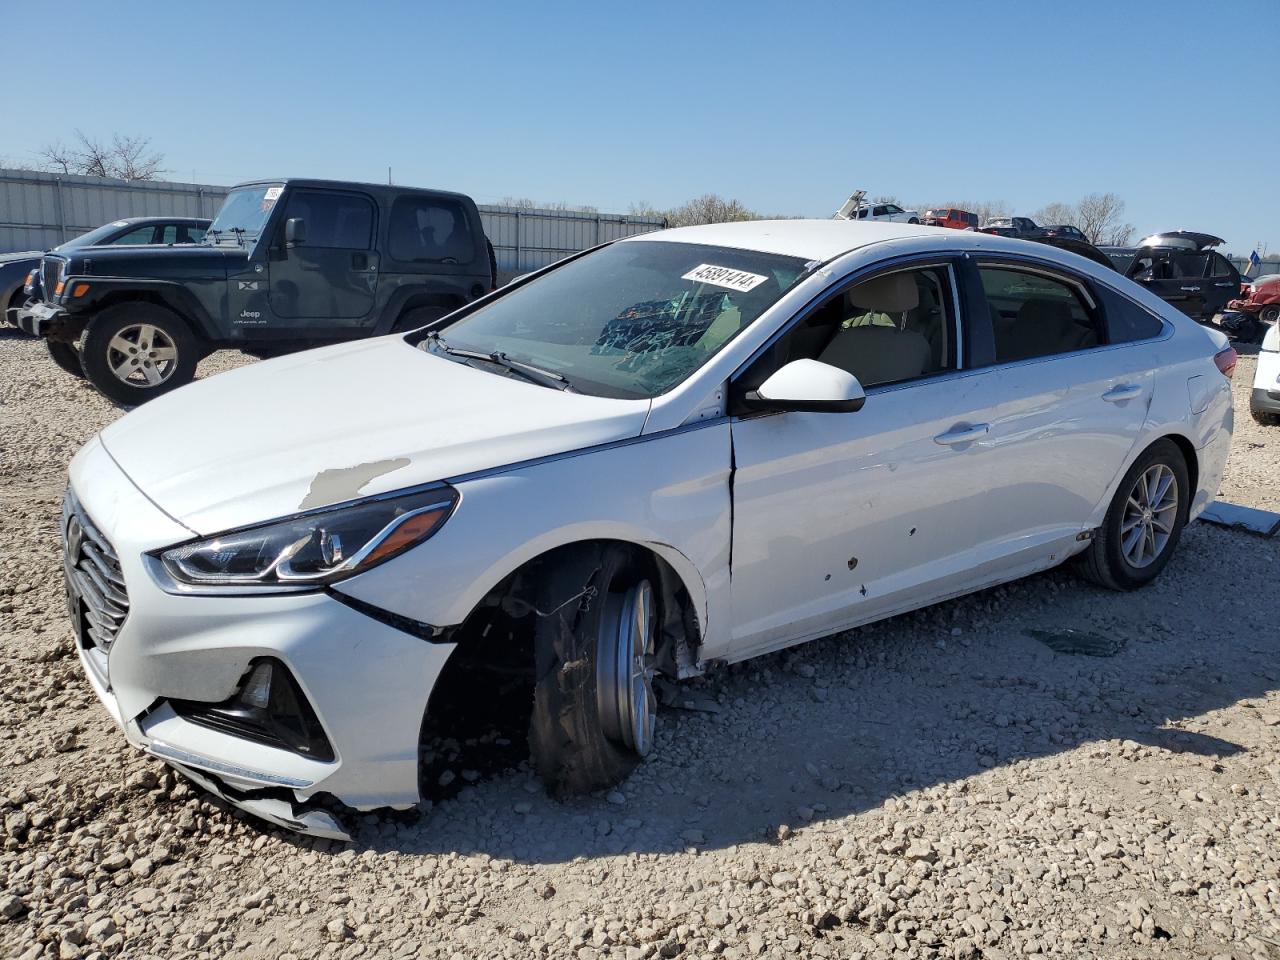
x: 624, y: 668
x: 142, y: 355
x: 1149, y: 515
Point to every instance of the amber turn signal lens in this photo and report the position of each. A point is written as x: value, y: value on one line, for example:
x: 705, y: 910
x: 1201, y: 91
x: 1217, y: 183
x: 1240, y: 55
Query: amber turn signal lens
x: 80, y: 289
x: 57, y: 291
x: 413, y: 530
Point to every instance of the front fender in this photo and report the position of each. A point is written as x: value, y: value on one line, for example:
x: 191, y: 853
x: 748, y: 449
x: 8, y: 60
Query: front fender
x: 667, y: 492
x: 106, y: 291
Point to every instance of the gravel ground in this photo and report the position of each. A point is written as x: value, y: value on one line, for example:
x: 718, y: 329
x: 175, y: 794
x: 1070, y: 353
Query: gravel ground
x: 1040, y: 768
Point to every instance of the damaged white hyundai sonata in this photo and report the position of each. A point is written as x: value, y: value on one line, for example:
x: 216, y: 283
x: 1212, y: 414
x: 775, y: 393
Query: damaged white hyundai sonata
x: 671, y: 451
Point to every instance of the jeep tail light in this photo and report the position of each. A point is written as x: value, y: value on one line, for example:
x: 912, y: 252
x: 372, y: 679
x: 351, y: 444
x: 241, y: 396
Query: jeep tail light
x: 1225, y: 359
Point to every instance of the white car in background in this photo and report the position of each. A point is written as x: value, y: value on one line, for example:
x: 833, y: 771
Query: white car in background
x: 889, y: 212
x: 688, y: 447
x: 1264, y: 400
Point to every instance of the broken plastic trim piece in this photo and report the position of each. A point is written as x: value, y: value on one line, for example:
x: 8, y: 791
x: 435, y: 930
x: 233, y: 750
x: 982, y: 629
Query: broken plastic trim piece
x: 176, y: 755
x: 416, y: 628
x: 311, y: 821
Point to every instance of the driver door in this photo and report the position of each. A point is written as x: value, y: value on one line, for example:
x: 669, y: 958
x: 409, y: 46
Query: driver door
x: 331, y: 277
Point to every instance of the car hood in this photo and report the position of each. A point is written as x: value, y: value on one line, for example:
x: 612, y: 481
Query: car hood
x: 330, y: 425
x: 21, y: 255
x: 155, y: 261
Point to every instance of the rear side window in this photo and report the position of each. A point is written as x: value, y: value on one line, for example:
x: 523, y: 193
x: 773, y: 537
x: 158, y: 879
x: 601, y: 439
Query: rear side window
x: 194, y: 234
x: 133, y: 237
x: 1126, y: 321
x: 1033, y: 315
x: 168, y: 234
x: 340, y: 221
x: 1221, y: 265
x: 430, y: 230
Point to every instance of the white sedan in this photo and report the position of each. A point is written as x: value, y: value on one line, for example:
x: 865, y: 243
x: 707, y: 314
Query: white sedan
x: 693, y: 446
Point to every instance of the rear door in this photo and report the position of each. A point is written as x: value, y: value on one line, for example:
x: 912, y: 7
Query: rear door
x: 332, y: 276
x: 1164, y: 272
x: 1223, y: 285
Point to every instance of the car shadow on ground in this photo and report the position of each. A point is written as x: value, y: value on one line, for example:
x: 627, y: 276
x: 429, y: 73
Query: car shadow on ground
x: 966, y: 689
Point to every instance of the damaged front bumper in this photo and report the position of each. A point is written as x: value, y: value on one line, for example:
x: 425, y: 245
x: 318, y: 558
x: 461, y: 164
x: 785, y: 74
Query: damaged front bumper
x: 37, y: 318
x: 367, y: 682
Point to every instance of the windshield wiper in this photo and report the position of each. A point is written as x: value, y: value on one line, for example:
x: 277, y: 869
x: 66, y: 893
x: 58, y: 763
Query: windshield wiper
x: 530, y: 372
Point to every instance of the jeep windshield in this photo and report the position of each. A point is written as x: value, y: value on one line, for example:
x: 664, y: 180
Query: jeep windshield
x: 244, y: 213
x: 631, y: 320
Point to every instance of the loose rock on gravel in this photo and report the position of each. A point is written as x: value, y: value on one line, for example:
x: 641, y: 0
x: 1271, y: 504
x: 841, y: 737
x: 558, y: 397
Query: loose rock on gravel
x: 946, y: 784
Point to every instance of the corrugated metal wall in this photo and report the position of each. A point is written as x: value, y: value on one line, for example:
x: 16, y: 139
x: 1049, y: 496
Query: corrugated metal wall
x: 40, y: 210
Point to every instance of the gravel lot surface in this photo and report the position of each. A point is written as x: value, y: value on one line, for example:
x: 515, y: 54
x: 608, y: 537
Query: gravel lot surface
x: 953, y: 783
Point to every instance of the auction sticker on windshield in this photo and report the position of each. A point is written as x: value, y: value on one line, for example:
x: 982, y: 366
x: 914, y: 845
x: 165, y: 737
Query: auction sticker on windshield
x: 725, y: 277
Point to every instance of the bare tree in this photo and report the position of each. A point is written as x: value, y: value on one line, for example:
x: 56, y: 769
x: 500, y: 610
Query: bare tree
x: 124, y: 158
x: 1057, y: 213
x: 1100, y: 219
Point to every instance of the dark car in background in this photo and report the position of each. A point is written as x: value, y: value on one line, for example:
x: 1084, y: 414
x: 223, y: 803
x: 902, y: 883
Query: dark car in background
x: 1066, y: 231
x: 287, y: 264
x: 1021, y: 227
x: 1181, y: 268
x: 16, y: 268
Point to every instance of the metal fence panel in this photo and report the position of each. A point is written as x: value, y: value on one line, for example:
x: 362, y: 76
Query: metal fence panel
x: 40, y: 210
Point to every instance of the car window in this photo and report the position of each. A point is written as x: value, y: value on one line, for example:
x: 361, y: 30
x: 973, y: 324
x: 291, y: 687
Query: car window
x: 1126, y: 321
x: 1187, y: 265
x: 890, y: 328
x: 631, y: 319
x: 891, y: 208
x: 430, y: 230
x: 134, y: 237
x: 168, y: 233
x: 194, y: 234
x: 1033, y: 315
x: 1221, y: 265
x: 340, y: 221
x: 879, y: 211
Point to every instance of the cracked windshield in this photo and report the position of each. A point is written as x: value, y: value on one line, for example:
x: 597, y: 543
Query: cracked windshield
x: 631, y: 320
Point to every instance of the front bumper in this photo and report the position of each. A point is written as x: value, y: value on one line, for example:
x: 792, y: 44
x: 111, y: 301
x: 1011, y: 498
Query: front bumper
x: 36, y: 318
x: 368, y: 682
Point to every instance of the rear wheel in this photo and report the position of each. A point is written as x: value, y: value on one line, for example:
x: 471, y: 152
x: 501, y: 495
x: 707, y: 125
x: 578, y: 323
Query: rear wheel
x: 66, y: 356
x: 1270, y: 313
x: 594, y: 646
x: 1144, y: 522
x: 1264, y: 417
x: 133, y: 352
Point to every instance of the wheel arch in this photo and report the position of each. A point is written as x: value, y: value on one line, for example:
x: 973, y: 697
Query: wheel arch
x: 171, y: 299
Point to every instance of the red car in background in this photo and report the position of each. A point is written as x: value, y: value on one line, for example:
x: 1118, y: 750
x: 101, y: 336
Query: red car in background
x: 1259, y: 297
x: 950, y: 217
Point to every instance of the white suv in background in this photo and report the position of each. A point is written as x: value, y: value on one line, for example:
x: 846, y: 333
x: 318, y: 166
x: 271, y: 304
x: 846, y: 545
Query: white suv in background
x: 890, y: 212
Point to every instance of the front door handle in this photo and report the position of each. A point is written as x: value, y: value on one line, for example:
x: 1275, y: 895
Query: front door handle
x: 1190, y: 289
x: 965, y: 433
x: 359, y: 261
x: 1123, y: 391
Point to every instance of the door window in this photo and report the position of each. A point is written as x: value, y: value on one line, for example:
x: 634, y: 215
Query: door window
x: 1033, y: 315
x: 1221, y: 265
x: 890, y: 328
x: 430, y: 230
x: 134, y: 237
x: 194, y: 234
x: 341, y: 221
x: 168, y: 234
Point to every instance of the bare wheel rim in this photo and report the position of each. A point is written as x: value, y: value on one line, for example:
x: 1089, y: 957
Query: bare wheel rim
x: 1149, y: 515
x: 624, y: 668
x: 142, y: 355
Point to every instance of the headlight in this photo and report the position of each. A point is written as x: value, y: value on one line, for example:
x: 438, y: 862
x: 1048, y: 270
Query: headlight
x: 313, y: 549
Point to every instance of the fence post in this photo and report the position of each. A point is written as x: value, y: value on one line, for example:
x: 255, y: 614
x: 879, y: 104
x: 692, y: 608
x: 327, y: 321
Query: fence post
x: 597, y: 243
x: 519, y: 221
x: 62, y: 219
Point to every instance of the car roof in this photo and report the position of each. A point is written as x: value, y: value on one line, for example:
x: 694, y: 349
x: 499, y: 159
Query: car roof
x: 820, y: 240
x: 381, y: 189
x: 142, y: 221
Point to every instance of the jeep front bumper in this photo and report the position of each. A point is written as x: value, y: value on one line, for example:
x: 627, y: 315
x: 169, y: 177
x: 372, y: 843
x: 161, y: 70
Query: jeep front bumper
x: 38, y: 318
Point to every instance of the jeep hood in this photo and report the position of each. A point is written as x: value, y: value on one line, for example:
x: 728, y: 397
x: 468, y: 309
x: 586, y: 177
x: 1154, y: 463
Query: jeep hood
x: 329, y: 425
x: 155, y: 261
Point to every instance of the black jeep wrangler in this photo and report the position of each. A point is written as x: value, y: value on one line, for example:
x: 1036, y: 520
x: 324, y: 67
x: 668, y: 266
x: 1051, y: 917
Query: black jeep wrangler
x: 285, y: 265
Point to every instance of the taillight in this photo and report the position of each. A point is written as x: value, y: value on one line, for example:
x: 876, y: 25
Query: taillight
x: 1225, y: 360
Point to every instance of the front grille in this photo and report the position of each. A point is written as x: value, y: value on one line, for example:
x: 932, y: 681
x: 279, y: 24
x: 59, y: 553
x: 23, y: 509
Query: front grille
x: 49, y: 267
x: 97, y: 595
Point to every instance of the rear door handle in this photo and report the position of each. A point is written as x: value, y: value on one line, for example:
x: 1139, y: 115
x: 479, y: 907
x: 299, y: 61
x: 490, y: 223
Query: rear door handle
x: 1226, y: 283
x: 963, y: 434
x: 1190, y: 289
x: 1123, y: 391
x: 359, y: 261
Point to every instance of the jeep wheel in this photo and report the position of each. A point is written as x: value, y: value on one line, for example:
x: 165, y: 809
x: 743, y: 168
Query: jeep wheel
x: 593, y: 701
x: 65, y: 356
x: 135, y: 351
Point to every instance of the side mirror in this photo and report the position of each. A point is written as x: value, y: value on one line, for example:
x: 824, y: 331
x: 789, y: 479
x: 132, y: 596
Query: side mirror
x: 809, y: 386
x: 295, y: 231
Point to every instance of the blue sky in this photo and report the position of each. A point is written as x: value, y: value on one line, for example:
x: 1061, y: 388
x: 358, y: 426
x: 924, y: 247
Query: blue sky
x: 788, y: 107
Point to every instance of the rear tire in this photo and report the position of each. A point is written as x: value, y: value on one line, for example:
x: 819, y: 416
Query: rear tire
x: 133, y: 352
x: 1270, y: 313
x: 65, y: 356
x: 593, y: 703
x: 1144, y: 522
x: 1264, y: 417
